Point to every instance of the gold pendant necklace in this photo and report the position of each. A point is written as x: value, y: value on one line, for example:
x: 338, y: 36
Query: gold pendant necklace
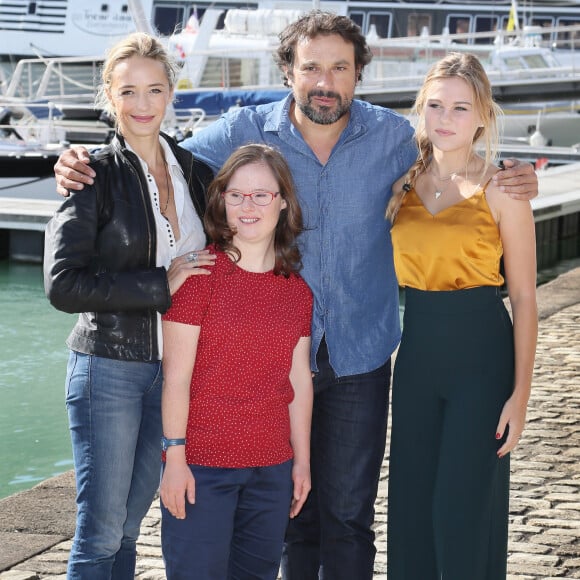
x: 451, y: 177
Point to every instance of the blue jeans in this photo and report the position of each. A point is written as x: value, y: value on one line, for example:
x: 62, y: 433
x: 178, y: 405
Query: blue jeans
x: 235, y: 529
x: 114, y: 410
x: 331, y: 538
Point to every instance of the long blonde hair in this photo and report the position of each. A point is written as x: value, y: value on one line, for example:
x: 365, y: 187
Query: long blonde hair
x: 455, y: 65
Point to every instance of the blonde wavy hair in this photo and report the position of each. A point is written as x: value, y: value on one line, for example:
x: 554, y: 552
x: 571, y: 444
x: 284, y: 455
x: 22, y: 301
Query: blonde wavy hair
x: 465, y: 66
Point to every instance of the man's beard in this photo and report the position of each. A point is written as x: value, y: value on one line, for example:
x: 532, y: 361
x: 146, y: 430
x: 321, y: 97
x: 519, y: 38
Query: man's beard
x: 324, y: 115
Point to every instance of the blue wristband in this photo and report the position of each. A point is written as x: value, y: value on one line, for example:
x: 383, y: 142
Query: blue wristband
x: 165, y: 443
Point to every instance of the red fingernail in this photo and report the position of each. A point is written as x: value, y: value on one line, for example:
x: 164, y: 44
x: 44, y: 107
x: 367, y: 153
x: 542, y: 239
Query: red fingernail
x: 497, y: 436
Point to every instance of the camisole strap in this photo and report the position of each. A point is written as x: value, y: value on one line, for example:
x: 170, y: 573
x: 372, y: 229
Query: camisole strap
x: 487, y: 183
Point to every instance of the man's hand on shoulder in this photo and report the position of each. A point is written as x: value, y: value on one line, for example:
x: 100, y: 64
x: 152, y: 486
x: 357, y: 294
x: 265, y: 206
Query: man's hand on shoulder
x: 517, y: 179
x: 72, y: 170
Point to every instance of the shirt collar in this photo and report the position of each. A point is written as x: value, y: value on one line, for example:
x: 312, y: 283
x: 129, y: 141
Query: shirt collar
x: 170, y: 158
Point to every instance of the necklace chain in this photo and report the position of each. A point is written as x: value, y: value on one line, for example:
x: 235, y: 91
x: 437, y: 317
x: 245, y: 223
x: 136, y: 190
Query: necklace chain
x: 451, y: 176
x: 439, y: 191
x: 164, y: 210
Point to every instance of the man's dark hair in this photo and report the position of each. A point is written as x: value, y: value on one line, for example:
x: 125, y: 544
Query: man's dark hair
x: 316, y: 23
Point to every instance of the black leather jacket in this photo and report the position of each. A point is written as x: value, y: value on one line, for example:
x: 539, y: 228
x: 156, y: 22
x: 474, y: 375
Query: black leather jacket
x: 100, y: 250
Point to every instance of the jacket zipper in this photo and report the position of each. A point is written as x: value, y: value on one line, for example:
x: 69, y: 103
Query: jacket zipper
x: 148, y: 210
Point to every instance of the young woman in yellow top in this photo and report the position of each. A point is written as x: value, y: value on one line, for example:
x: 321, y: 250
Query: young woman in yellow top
x: 463, y: 372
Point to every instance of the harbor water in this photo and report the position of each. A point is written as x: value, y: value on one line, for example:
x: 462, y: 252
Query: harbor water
x: 33, y: 423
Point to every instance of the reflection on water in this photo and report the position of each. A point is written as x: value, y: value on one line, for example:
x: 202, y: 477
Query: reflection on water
x: 33, y: 423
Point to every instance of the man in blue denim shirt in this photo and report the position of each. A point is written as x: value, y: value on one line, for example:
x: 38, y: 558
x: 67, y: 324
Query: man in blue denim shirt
x: 345, y: 155
x: 346, y: 245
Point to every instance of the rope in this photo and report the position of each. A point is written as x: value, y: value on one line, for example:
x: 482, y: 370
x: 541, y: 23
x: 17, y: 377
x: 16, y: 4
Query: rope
x: 13, y: 186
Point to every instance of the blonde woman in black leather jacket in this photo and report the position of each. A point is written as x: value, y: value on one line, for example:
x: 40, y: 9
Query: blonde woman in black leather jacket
x: 116, y: 256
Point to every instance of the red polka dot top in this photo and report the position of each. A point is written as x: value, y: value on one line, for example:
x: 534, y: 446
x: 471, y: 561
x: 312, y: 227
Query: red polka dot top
x: 240, y: 387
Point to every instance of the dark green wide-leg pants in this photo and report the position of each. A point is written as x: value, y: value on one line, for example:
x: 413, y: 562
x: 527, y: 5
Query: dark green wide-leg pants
x: 448, y: 491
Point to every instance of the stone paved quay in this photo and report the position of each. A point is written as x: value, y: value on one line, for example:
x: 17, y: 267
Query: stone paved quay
x: 36, y: 525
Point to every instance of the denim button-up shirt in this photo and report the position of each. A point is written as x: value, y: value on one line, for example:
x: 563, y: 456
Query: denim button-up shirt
x: 346, y: 246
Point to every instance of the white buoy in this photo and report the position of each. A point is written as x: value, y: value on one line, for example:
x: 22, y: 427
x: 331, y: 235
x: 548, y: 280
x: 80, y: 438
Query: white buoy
x: 536, y: 138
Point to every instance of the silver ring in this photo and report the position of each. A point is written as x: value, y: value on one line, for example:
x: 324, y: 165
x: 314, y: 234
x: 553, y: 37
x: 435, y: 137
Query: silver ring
x: 192, y: 257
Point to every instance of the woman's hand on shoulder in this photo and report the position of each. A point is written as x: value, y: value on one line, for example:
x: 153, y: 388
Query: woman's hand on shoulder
x: 190, y: 264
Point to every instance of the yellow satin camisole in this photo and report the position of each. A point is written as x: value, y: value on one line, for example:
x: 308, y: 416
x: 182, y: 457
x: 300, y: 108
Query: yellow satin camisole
x: 457, y: 248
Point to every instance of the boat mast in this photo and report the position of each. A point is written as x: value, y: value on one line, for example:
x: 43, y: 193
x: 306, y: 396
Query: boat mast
x: 142, y: 23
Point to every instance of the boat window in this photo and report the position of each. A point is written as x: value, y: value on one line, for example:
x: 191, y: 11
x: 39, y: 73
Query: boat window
x: 568, y: 38
x: 544, y: 22
x: 512, y: 62
x: 358, y: 18
x: 168, y: 19
x: 382, y: 23
x: 198, y: 13
x: 534, y: 61
x: 486, y: 24
x: 236, y: 72
x: 417, y: 22
x: 525, y: 61
x: 32, y: 8
x: 221, y: 23
x: 459, y: 24
x: 505, y: 19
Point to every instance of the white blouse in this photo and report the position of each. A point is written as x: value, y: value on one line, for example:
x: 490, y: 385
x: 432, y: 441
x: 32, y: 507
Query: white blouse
x: 192, y: 236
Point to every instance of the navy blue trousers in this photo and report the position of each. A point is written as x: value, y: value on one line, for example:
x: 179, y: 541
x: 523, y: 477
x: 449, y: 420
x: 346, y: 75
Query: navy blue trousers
x: 235, y: 529
x: 332, y: 537
x: 448, y: 491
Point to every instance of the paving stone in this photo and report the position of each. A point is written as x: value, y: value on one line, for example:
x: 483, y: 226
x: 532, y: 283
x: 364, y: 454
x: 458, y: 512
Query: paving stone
x: 536, y: 572
x: 549, y: 523
x: 534, y: 559
x: 528, y: 548
x: 151, y: 575
x: 554, y: 539
x: 18, y: 575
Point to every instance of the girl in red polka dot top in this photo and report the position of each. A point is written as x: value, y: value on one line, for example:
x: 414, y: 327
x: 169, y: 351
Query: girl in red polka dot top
x: 237, y: 391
